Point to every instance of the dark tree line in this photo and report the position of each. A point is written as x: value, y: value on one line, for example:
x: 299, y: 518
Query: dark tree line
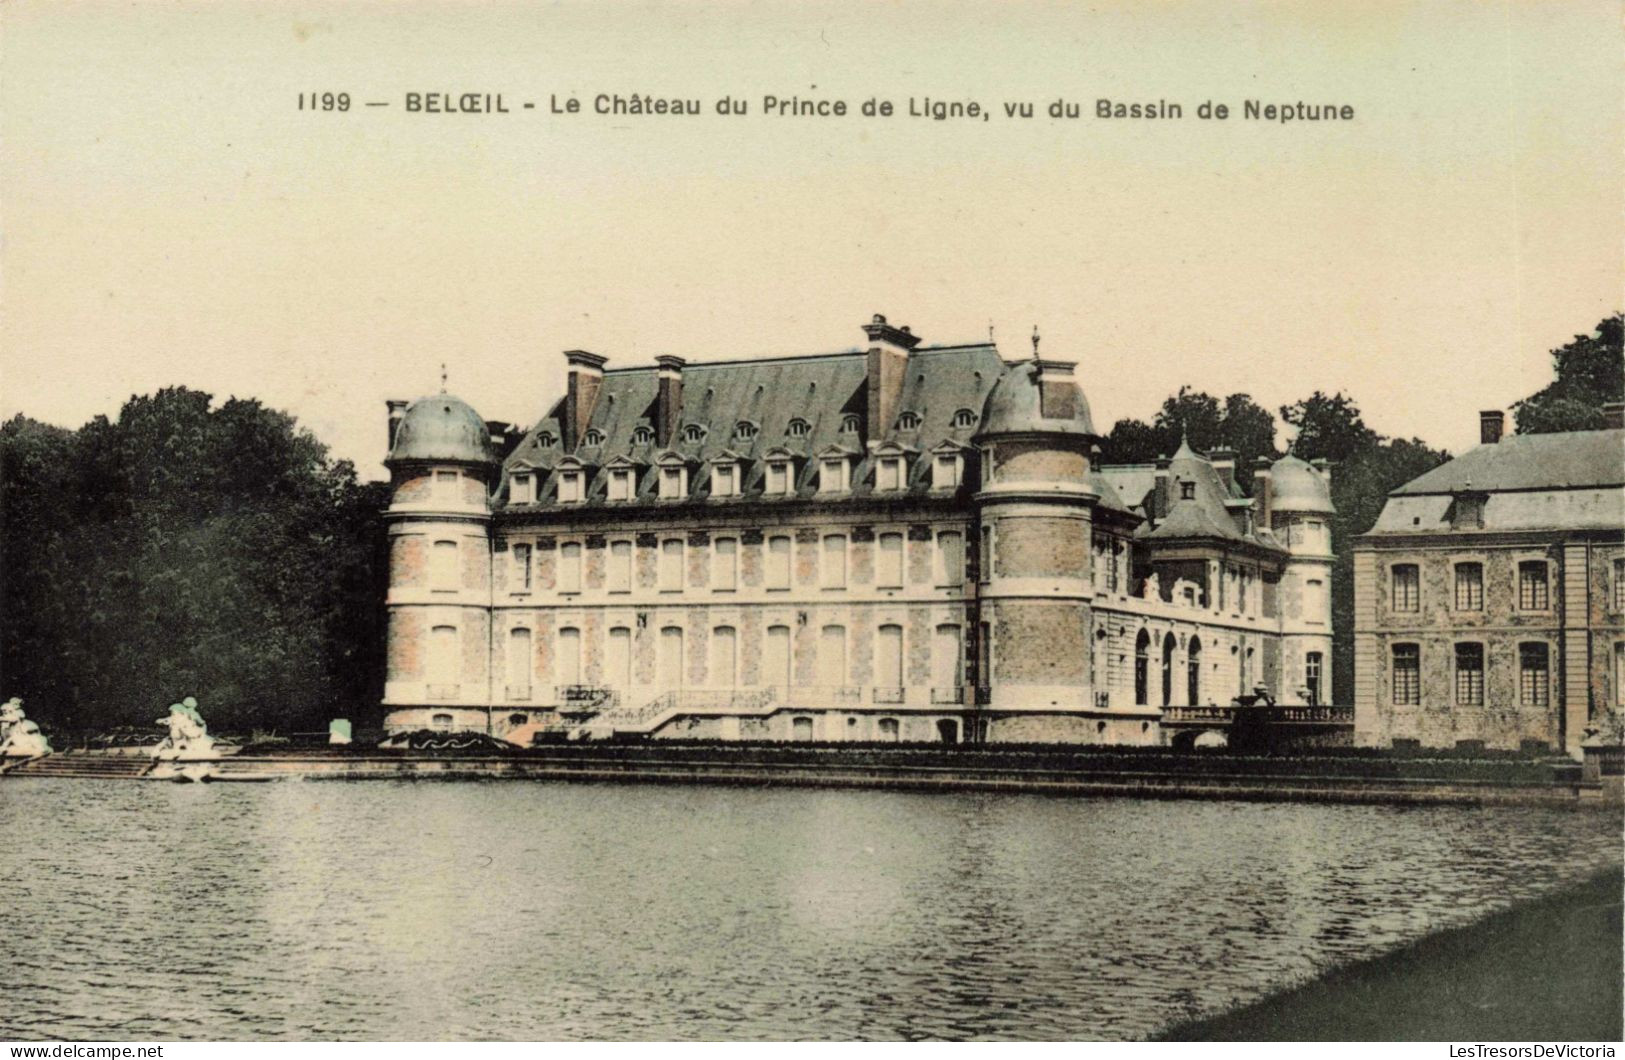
x: 187, y: 550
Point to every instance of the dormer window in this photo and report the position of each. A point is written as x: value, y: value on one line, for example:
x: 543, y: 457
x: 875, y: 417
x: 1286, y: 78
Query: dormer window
x: 834, y: 474
x: 799, y: 428
x: 643, y: 436
x: 964, y: 418
x: 725, y: 480
x: 908, y: 421
x: 745, y: 430
x: 780, y: 478
x: 594, y: 437
x: 946, y: 470
x: 693, y: 433
x: 673, y: 482
x: 849, y: 423
x: 570, y: 487
x: 521, y: 489
x: 1187, y: 491
x: 620, y: 484
x: 889, y: 473
x: 546, y: 439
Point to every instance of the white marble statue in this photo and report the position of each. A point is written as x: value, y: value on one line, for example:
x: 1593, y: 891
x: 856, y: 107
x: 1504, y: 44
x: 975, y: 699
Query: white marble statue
x: 189, y: 737
x: 19, y: 737
x: 1153, y: 587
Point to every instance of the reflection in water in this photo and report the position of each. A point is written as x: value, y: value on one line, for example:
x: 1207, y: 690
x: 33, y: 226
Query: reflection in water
x: 525, y: 910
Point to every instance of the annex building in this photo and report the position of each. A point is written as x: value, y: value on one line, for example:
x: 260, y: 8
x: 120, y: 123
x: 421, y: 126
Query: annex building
x: 895, y: 542
x: 1490, y: 596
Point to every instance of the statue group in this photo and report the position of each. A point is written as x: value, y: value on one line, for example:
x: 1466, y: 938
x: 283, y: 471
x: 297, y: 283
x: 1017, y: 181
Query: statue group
x: 189, y: 738
x: 19, y: 737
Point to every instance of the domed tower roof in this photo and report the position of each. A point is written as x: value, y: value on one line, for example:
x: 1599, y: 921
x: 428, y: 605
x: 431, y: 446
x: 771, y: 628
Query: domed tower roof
x: 1297, y: 487
x: 1037, y: 397
x: 441, y: 428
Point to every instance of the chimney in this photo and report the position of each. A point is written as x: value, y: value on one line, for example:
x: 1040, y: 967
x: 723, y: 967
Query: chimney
x: 1159, y: 492
x: 888, y: 364
x: 1057, y: 394
x: 586, y: 379
x: 1613, y: 416
x: 1324, y: 466
x: 1223, y: 460
x: 1491, y: 422
x: 669, y: 403
x: 1263, y: 492
x: 397, y: 410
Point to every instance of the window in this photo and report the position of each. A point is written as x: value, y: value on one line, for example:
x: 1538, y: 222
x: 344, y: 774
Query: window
x: 1312, y: 662
x: 947, y: 663
x: 964, y: 418
x: 849, y: 423
x: 1619, y: 585
x: 908, y: 421
x: 570, y: 487
x: 745, y: 430
x: 724, y: 480
x: 567, y: 664
x: 778, y: 563
x: 985, y: 564
x: 671, y: 564
x: 778, y: 478
x: 798, y: 428
x: 1407, y: 675
x: 519, y: 662
x: 1187, y: 491
x: 620, y: 567
x: 673, y: 483
x: 889, y: 473
x: 443, y: 655
x: 1407, y: 588
x: 950, y: 558
x: 570, y: 567
x: 594, y: 437
x: 669, y: 657
x: 1193, y: 672
x: 776, y: 658
x: 521, y: 489
x: 1469, y: 587
x: 521, y: 568
x: 1112, y: 579
x: 1533, y: 592
x: 618, y: 658
x: 725, y: 564
x: 833, y: 569
x: 445, y: 485
x: 1469, y: 675
x: 620, y: 484
x: 1314, y: 601
x: 693, y: 433
x: 888, y: 730
x: 1534, y: 670
x: 832, y: 656
x: 546, y: 439
x: 945, y: 471
x: 643, y: 436
x: 724, y: 657
x: 889, y: 664
x: 1315, y: 534
x: 1142, y: 669
x: 443, y: 567
x: 1619, y: 673
x: 440, y: 722
x: 889, y: 561
x: 832, y: 475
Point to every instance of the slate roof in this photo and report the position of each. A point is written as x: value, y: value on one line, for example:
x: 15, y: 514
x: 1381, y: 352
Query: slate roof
x: 1206, y: 515
x: 769, y: 393
x: 1530, y: 462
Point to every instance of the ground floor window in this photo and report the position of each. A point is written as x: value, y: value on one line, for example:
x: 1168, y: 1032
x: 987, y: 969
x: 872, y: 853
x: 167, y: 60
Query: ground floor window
x: 1469, y: 675
x: 1534, y: 675
x: 1311, y: 677
x: 1407, y: 675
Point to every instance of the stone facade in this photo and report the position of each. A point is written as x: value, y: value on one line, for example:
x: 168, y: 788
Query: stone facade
x: 771, y: 565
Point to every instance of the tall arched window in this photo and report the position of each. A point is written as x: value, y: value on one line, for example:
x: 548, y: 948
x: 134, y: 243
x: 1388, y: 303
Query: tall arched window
x: 832, y: 656
x: 1193, y: 672
x: 519, y: 663
x: 724, y: 657
x: 1142, y: 668
x: 670, y: 657
x: 618, y: 659
x: 1167, y: 669
x: 776, y: 658
x: 889, y: 664
x: 567, y: 665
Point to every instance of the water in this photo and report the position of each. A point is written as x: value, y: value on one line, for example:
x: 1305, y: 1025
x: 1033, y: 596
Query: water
x: 515, y: 910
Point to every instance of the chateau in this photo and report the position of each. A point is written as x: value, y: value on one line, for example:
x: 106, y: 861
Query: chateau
x: 898, y: 542
x: 1490, y: 596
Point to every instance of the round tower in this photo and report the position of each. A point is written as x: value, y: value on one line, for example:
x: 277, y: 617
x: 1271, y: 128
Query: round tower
x: 442, y: 470
x: 1299, y: 501
x: 1035, y: 510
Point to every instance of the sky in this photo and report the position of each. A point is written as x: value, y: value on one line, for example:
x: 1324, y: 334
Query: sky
x: 171, y: 217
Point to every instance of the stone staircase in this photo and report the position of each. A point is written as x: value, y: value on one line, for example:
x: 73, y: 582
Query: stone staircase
x: 650, y: 716
x: 88, y: 765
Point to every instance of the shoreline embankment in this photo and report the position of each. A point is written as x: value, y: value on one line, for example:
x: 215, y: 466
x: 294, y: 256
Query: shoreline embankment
x: 1547, y: 970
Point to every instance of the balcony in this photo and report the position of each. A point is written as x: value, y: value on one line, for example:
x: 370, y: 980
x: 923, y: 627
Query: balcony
x: 888, y: 696
x: 953, y: 695
x: 815, y: 696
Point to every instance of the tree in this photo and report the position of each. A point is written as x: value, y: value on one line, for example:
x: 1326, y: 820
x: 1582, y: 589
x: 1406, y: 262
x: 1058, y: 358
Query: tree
x: 1238, y: 423
x: 1590, y: 373
x: 188, y: 550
